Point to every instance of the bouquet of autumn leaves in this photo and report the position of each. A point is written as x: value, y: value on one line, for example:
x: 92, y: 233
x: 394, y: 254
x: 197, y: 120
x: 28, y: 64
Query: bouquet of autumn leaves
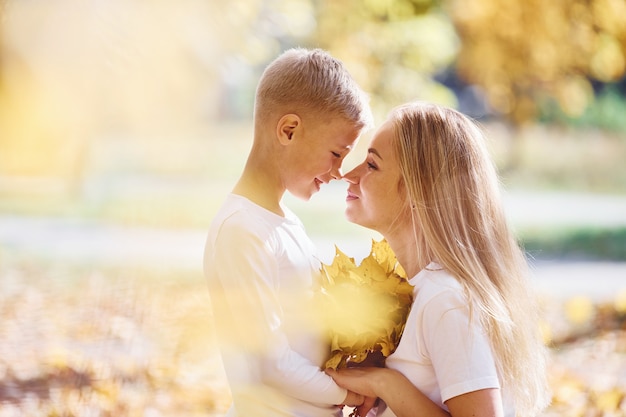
x: 364, y: 307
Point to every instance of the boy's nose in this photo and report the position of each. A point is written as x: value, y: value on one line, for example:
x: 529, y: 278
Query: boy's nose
x: 336, y: 174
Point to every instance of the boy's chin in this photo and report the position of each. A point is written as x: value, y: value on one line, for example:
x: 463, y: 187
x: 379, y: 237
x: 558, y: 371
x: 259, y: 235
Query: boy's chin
x: 303, y: 195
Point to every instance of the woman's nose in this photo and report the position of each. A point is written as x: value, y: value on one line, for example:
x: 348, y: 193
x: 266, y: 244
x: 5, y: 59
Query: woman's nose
x: 352, y: 176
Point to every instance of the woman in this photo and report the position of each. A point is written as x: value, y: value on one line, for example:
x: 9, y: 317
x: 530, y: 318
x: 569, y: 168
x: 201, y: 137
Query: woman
x: 471, y: 345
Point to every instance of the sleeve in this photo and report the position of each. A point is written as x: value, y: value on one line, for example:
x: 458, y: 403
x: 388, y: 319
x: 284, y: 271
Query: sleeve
x: 251, y: 317
x: 459, y: 348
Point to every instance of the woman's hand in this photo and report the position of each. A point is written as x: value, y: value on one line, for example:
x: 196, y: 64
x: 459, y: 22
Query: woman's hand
x: 400, y: 395
x: 359, y: 380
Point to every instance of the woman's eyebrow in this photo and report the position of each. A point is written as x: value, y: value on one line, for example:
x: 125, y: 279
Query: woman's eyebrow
x: 375, y: 152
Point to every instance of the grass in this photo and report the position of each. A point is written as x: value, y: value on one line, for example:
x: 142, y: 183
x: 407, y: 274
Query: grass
x: 558, y: 157
x: 578, y: 244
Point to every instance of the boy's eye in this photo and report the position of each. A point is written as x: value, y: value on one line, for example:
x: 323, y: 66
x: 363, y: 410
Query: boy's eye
x: 336, y: 155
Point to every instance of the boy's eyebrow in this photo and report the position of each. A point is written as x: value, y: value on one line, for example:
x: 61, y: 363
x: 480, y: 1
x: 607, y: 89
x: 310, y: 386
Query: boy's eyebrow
x: 375, y: 152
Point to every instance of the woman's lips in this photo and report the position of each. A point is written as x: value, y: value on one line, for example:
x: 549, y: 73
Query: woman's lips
x: 351, y: 196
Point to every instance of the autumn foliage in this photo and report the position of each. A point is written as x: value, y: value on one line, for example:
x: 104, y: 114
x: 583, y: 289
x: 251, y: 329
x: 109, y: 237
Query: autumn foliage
x: 524, y: 52
x: 365, y: 306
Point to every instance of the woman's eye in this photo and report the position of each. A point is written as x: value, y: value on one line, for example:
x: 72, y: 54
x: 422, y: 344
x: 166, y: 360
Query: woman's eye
x: 371, y: 166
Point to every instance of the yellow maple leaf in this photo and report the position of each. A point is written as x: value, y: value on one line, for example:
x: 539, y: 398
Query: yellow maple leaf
x: 382, y: 253
x: 334, y: 360
x: 364, y: 306
x: 371, y: 270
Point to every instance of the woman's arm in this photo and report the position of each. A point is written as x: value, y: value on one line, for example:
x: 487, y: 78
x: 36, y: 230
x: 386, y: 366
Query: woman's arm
x: 406, y: 400
x: 389, y: 385
x: 483, y: 403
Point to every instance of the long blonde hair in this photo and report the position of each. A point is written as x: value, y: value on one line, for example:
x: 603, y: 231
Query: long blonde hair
x: 453, y: 188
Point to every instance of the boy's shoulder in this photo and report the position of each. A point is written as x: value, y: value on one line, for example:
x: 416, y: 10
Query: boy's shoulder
x: 238, y: 215
x: 237, y: 211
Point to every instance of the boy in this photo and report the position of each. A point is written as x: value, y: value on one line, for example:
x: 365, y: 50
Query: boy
x: 258, y: 260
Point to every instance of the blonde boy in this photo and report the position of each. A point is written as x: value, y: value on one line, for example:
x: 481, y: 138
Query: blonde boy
x: 259, y: 262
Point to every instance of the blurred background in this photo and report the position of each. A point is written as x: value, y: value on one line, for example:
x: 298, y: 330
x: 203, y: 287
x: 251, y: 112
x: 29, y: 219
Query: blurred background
x: 124, y: 123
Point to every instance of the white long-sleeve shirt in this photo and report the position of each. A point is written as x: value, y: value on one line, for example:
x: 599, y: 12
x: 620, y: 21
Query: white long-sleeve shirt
x: 260, y: 269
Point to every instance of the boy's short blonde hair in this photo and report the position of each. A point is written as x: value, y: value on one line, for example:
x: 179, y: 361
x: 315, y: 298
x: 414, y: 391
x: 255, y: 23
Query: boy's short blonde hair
x: 304, y: 81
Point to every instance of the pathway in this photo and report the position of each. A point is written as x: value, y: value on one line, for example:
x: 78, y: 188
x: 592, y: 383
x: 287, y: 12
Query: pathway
x: 70, y: 240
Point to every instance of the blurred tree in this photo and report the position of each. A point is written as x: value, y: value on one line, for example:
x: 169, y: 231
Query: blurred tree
x: 75, y: 75
x: 392, y: 47
x: 524, y: 53
x: 255, y: 32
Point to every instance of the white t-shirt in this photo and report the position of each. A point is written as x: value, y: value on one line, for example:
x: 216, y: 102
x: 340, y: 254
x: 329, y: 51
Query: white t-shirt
x: 260, y: 269
x: 442, y: 351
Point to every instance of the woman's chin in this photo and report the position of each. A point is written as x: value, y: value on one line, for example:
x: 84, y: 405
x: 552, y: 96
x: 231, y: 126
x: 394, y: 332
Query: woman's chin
x: 353, y: 218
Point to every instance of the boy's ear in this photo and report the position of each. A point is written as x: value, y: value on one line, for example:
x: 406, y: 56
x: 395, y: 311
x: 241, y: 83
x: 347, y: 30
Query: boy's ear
x: 286, y: 126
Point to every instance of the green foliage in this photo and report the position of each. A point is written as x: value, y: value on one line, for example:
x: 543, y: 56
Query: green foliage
x: 578, y: 243
x: 606, y: 111
x: 559, y: 157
